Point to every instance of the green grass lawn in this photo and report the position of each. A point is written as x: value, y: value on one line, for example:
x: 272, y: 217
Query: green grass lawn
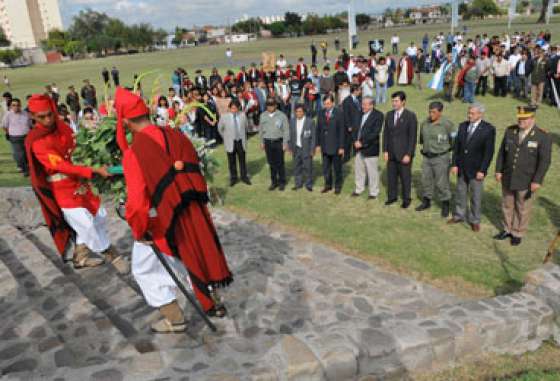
x: 420, y: 244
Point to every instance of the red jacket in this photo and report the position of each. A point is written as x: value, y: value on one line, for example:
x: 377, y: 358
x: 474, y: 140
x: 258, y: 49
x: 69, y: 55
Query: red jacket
x: 301, y: 71
x: 54, y: 153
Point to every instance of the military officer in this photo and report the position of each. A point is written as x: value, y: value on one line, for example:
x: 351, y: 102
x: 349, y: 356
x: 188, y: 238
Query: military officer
x: 522, y: 162
x: 437, y: 135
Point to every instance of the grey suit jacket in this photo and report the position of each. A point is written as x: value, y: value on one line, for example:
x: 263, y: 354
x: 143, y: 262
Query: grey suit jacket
x: 226, y: 128
x: 308, y: 136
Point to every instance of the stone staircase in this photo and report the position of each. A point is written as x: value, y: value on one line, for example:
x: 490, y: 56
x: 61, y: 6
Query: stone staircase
x: 298, y: 311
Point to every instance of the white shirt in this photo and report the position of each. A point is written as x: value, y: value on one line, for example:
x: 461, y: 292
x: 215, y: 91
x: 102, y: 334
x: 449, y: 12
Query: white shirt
x: 228, y: 53
x: 513, y: 59
x: 299, y: 129
x: 364, y: 118
x: 521, y: 70
x: 395, y: 40
x: 472, y: 127
x: 282, y: 63
x: 412, y: 51
x: 398, y: 114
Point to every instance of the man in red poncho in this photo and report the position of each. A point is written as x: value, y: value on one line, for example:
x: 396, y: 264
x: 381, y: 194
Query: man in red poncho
x: 67, y: 202
x: 166, y: 208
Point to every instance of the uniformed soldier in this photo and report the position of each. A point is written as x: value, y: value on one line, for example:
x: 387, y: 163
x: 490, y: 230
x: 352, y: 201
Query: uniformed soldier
x: 522, y: 162
x: 449, y: 78
x: 437, y: 135
x: 275, y: 135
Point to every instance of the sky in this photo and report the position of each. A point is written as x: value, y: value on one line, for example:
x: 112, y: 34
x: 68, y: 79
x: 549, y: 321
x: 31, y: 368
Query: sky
x: 169, y: 13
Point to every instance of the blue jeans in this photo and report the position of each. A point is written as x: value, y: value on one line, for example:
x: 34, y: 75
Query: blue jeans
x: 380, y: 93
x: 468, y: 92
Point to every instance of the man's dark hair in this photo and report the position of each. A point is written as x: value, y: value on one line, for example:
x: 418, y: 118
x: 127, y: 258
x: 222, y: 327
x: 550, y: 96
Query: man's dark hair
x: 326, y: 67
x: 330, y: 97
x: 354, y: 88
x: 171, y: 89
x: 436, y: 106
x: 299, y: 106
x: 236, y: 103
x: 271, y: 102
x: 399, y: 94
x: 16, y: 100
x: 7, y: 94
x: 88, y: 110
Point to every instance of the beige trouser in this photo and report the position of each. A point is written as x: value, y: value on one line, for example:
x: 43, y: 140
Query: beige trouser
x: 366, y: 167
x: 537, y: 94
x: 516, y: 211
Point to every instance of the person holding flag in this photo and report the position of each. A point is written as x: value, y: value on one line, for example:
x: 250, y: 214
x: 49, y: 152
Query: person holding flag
x: 70, y: 208
x: 444, y: 78
x: 166, y: 210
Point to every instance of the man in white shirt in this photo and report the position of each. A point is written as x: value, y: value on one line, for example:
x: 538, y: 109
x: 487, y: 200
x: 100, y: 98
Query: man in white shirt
x: 229, y: 57
x: 512, y: 62
x: 395, y: 43
x: 412, y: 52
x: 281, y: 62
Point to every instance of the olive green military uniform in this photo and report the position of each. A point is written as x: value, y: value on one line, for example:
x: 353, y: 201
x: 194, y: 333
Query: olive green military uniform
x: 437, y: 140
x: 448, y: 82
x: 521, y: 160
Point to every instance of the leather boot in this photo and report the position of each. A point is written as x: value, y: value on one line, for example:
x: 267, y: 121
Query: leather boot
x: 219, y: 309
x: 82, y: 258
x: 173, y: 319
x: 113, y: 257
x: 426, y: 204
x: 445, y: 209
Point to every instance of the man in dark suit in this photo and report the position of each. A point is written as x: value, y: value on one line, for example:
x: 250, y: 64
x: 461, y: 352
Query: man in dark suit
x: 352, y: 109
x: 366, y: 144
x: 330, y: 138
x: 399, y: 145
x: 472, y: 156
x: 303, y: 143
x: 200, y: 81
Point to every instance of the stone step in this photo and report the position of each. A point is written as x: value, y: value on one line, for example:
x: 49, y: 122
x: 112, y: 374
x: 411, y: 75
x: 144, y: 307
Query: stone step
x: 48, y: 316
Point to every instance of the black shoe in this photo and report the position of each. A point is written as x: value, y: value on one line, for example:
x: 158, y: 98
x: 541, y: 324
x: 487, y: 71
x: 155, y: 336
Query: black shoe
x: 309, y: 189
x: 390, y: 202
x: 326, y: 190
x: 337, y: 191
x: 445, y: 209
x: 354, y: 194
x: 515, y: 241
x: 372, y: 197
x: 502, y: 236
x: 246, y: 181
x: 281, y: 188
x: 233, y: 182
x: 272, y: 187
x: 405, y: 204
x: 426, y: 204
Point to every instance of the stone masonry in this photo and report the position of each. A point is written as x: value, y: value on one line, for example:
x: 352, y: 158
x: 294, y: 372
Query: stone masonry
x: 298, y: 311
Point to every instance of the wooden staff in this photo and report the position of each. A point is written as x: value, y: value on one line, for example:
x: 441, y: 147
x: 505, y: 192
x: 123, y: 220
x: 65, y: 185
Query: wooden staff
x: 551, y: 249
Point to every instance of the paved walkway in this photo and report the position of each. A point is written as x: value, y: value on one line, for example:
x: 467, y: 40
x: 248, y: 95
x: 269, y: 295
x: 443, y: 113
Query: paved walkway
x: 289, y: 305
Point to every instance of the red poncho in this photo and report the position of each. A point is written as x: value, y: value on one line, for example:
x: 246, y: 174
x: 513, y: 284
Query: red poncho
x: 49, y: 153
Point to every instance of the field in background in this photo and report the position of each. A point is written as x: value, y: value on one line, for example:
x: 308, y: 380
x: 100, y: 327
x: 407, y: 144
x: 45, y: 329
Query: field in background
x: 415, y: 243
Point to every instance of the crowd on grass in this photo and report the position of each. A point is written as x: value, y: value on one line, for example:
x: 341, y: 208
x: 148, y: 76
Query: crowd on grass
x: 330, y: 112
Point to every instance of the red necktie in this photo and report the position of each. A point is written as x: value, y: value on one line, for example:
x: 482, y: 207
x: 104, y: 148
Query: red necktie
x: 328, y: 116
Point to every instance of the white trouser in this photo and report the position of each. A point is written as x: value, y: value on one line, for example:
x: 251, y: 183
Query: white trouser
x: 90, y: 230
x: 155, y: 282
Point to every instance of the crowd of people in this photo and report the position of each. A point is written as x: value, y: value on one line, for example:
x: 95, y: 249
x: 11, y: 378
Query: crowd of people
x: 331, y: 113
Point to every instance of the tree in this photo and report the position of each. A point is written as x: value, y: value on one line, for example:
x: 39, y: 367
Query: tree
x: 314, y: 24
x: 8, y: 56
x: 178, y: 39
x: 253, y: 25
x: 485, y: 8
x: 72, y: 48
x: 277, y: 28
x: 463, y: 9
x: 3, y: 39
x: 56, y: 40
x: 292, y: 19
x: 362, y: 19
x: 544, y: 8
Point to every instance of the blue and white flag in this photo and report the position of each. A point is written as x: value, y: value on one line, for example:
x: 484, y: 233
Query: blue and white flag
x: 454, y: 14
x: 512, y: 12
x: 436, y: 83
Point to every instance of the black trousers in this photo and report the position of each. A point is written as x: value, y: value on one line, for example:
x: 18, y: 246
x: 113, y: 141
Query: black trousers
x: 500, y: 86
x: 348, y: 146
x: 330, y: 163
x: 18, y: 152
x: 398, y: 171
x: 482, y: 86
x: 303, y: 168
x: 238, y: 154
x: 275, y: 156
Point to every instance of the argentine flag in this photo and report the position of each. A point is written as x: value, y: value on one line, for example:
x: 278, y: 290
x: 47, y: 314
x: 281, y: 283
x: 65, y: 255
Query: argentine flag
x: 436, y: 83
